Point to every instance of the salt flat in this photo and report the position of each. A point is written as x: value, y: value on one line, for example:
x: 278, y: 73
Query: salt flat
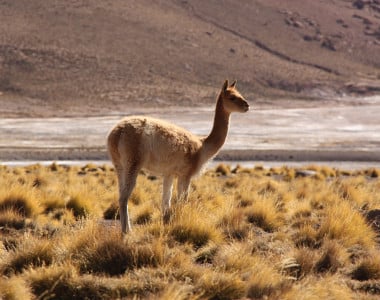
x: 339, y: 129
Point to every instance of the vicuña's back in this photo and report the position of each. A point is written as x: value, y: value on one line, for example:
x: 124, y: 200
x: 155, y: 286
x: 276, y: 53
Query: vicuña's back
x: 155, y: 145
x: 140, y: 142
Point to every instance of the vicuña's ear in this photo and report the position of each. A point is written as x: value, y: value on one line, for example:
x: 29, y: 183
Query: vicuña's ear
x: 233, y: 84
x: 225, y: 86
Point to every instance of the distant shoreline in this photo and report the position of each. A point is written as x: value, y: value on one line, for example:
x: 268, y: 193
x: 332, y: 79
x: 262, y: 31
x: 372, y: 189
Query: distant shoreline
x: 286, y: 155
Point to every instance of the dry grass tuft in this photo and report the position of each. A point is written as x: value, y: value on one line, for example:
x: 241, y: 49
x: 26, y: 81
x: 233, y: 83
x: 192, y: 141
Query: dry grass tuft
x: 315, y: 288
x: 341, y: 222
x: 235, y: 225
x: 304, y: 263
x: 247, y: 233
x: 101, y: 251
x: 196, y: 235
x: 367, y: 269
x: 112, y: 212
x: 223, y: 169
x: 263, y: 213
x: 11, y: 219
x: 114, y: 258
x: 217, y: 285
x: 144, y: 215
x: 191, y: 225
x: 332, y: 258
x: 264, y: 280
x: 15, y: 288
x: 206, y: 254
x: 30, y: 254
x: 20, y: 200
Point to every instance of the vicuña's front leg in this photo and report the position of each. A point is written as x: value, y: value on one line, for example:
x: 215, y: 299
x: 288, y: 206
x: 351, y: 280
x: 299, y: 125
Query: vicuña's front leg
x: 183, y: 188
x: 166, y: 197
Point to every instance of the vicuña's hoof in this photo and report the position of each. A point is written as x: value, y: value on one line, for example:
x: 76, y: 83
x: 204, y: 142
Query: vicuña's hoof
x: 124, y: 236
x: 166, y: 217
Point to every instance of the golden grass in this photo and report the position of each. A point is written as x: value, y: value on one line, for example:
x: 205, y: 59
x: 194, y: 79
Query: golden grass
x: 342, y: 222
x: 368, y: 268
x: 15, y: 288
x: 257, y: 233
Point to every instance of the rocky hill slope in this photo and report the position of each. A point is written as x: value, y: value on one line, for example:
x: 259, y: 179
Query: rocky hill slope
x: 81, y: 57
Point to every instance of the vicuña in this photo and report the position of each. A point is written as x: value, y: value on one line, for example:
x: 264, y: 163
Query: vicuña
x: 139, y: 142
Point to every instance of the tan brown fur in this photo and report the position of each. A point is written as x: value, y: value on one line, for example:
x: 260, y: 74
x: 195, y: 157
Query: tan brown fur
x: 140, y: 142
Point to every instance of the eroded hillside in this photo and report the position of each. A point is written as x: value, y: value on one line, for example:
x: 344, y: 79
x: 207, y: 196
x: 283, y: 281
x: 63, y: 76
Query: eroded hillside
x: 94, y: 57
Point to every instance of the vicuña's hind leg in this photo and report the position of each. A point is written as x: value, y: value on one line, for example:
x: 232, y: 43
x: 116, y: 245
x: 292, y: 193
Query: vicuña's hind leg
x: 183, y: 187
x: 166, y: 198
x: 127, y: 181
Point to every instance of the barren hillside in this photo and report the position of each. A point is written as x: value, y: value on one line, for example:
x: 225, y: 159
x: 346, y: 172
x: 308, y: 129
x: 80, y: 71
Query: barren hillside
x: 82, y: 57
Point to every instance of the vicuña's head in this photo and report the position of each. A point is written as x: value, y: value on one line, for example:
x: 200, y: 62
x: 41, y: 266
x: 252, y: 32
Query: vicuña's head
x: 233, y: 101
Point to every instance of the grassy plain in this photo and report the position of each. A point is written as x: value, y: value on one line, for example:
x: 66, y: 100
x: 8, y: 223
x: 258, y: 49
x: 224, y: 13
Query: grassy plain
x: 279, y: 233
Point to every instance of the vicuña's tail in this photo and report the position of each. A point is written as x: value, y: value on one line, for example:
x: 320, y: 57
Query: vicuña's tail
x: 113, y: 145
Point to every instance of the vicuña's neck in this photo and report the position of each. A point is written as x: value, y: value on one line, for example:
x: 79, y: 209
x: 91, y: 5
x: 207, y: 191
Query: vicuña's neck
x: 215, y: 140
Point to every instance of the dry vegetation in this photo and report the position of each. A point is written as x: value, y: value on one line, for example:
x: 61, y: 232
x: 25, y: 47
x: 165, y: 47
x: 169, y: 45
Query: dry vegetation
x: 244, y: 233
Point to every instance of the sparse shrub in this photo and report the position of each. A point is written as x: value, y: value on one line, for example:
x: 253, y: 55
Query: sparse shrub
x: 373, y: 173
x: 111, y: 256
x: 333, y: 257
x: 14, y: 288
x: 235, y: 257
x: 144, y: 216
x: 194, y: 234
x: 206, y: 254
x: 63, y: 215
x: 34, y: 253
x: 269, y: 186
x: 223, y: 169
x: 263, y: 214
x: 112, y: 212
x: 259, y: 168
x: 264, y: 280
x: 20, y: 201
x: 231, y: 183
x: 63, y: 282
x: 177, y: 291
x: 343, y: 223
x: 328, y: 287
x: 328, y: 172
x: 53, y: 282
x: 191, y: 224
x: 221, y: 286
x: 306, y: 236
x: 234, y: 225
x: 306, y: 259
x: 52, y: 203
x: 11, y: 219
x: 54, y: 167
x: 38, y: 182
x: 209, y: 249
x: 79, y: 205
x: 368, y: 268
